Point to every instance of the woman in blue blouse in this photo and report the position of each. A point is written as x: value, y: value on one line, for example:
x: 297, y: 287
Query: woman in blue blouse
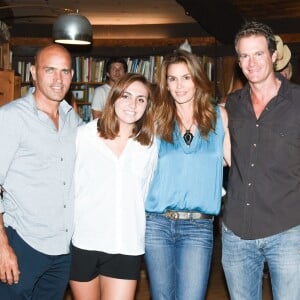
x: 186, y: 190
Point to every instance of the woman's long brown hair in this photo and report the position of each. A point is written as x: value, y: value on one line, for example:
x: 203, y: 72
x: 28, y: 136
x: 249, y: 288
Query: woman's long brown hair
x: 108, y: 124
x: 165, y: 108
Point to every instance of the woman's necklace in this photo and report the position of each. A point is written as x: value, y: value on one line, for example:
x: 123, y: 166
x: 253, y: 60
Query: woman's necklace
x: 188, y: 136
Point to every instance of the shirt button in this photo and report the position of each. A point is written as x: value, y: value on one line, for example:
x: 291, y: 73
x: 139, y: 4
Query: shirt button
x: 257, y: 125
x: 64, y: 183
x: 252, y: 165
x: 254, y: 145
x: 65, y: 206
x: 248, y: 204
x: 249, y: 184
x: 67, y: 230
x: 61, y: 159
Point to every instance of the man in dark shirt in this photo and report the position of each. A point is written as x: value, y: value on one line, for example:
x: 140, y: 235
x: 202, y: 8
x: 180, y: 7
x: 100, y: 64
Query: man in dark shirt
x: 262, y: 211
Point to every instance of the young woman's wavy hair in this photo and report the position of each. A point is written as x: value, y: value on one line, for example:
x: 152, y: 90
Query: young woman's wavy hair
x: 165, y: 109
x: 108, y: 123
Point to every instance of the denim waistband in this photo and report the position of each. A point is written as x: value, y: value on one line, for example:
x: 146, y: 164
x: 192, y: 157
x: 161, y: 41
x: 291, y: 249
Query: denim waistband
x: 184, y: 215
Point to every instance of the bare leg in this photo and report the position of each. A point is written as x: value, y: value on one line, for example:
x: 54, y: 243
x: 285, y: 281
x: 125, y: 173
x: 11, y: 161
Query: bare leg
x: 86, y: 290
x: 116, y: 289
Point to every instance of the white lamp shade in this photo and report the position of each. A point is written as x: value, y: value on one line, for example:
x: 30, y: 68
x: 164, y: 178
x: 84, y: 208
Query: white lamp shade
x: 72, y: 29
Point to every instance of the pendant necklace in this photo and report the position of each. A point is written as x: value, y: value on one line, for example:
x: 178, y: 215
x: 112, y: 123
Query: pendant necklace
x: 188, y: 136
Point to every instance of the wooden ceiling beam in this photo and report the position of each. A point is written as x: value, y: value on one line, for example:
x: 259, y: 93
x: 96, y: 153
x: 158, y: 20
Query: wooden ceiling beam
x: 194, y: 41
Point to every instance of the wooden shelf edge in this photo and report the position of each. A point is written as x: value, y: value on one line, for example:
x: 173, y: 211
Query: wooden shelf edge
x: 156, y: 42
x: 82, y: 102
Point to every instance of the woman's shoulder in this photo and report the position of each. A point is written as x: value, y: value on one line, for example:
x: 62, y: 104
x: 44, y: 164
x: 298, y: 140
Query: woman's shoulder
x: 88, y: 127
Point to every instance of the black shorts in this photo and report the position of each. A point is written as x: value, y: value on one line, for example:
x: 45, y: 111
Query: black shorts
x: 87, y: 265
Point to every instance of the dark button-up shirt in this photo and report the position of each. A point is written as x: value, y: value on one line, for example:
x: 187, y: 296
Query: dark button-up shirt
x: 264, y: 179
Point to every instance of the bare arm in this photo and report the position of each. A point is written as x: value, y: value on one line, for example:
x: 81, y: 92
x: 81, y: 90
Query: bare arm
x: 9, y: 269
x: 226, y: 144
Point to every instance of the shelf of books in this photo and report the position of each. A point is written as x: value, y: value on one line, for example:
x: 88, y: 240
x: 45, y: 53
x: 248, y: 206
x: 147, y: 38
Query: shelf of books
x: 89, y: 72
x: 91, y: 69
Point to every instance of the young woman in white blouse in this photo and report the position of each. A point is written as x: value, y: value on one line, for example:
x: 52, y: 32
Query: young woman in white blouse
x: 116, y: 158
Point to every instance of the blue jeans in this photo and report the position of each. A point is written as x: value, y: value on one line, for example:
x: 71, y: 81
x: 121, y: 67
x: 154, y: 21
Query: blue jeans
x: 178, y: 256
x: 243, y: 262
x: 43, y: 277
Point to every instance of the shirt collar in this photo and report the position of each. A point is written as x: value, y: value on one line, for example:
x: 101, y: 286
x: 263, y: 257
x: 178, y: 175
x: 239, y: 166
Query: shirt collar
x: 283, y: 92
x: 64, y: 106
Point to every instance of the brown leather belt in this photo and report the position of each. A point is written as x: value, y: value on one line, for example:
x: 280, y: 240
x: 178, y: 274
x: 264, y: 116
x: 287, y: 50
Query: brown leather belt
x: 186, y: 215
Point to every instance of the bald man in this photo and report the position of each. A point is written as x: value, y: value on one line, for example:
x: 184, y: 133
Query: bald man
x: 36, y: 167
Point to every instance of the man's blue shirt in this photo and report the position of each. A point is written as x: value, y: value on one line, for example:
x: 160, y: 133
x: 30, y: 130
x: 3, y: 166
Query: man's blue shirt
x: 36, y: 169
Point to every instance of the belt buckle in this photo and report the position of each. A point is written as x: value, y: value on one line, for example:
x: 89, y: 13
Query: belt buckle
x: 173, y: 215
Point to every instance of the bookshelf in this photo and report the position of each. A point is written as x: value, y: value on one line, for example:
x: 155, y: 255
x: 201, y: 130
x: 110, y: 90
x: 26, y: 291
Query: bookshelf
x: 5, y: 56
x: 142, y: 55
x: 89, y: 73
x: 10, y: 83
x: 10, y: 87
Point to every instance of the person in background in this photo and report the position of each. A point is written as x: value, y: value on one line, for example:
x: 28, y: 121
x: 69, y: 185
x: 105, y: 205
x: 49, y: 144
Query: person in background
x: 287, y: 72
x: 283, y: 62
x: 36, y: 169
x: 261, y: 212
x: 116, y: 68
x: 237, y: 81
x: 115, y: 161
x: 186, y: 189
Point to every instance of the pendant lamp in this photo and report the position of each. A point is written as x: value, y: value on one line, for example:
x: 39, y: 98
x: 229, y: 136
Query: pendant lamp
x: 72, y: 29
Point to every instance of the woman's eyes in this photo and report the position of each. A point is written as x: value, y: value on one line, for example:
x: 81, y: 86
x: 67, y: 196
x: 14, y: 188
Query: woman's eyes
x: 171, y: 78
x: 186, y: 77
x: 141, y: 100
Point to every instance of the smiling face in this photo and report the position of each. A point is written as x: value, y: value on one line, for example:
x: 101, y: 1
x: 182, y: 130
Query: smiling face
x: 116, y: 71
x: 255, y: 59
x: 52, y: 73
x: 180, y: 83
x: 132, y: 103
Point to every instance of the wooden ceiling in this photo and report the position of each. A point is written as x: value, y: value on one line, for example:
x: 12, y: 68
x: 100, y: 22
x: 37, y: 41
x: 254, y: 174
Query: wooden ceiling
x: 201, y: 21
x: 268, y: 9
x: 120, y: 12
x: 222, y: 18
x: 133, y: 12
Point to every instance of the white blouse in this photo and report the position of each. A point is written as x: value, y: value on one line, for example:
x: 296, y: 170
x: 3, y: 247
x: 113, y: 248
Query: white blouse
x: 110, y: 193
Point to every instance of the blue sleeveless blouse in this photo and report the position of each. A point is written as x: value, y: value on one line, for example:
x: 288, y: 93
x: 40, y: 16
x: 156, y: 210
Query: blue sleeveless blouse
x: 189, y: 178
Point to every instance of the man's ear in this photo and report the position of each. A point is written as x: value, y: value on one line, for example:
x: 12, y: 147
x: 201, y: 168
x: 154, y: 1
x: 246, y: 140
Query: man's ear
x: 274, y: 56
x: 33, y: 72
